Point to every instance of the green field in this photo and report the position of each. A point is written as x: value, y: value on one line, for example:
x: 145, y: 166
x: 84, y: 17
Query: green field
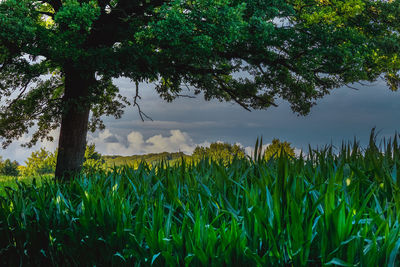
x: 12, y: 181
x: 333, y: 209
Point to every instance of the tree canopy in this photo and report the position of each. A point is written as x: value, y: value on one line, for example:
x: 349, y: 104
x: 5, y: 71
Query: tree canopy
x: 219, y: 152
x: 43, y: 162
x: 276, y: 148
x: 8, y: 167
x: 58, y: 58
x: 40, y: 162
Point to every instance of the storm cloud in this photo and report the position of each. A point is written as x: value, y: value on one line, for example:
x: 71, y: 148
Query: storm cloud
x: 181, y: 125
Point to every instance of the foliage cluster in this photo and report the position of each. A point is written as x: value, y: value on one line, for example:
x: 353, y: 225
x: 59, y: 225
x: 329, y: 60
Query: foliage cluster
x: 44, y: 162
x: 9, y: 168
x: 297, y: 51
x: 92, y: 160
x: 276, y: 148
x: 323, y: 209
x: 39, y: 163
x: 219, y: 152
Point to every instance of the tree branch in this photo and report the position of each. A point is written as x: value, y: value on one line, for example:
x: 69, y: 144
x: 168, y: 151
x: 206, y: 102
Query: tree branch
x: 351, y: 87
x: 21, y: 93
x: 135, y: 103
x: 233, y: 96
x: 186, y: 96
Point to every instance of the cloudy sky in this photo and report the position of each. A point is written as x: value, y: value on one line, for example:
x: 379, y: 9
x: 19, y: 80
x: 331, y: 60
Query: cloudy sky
x: 185, y: 123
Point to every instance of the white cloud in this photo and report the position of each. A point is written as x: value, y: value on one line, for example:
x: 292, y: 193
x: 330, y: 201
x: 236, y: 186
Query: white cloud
x: 297, y: 151
x: 110, y: 143
x: 250, y: 150
x: 16, y: 152
x: 135, y: 143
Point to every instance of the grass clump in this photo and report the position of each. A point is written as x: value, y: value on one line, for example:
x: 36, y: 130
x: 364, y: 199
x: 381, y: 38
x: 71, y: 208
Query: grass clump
x: 322, y: 209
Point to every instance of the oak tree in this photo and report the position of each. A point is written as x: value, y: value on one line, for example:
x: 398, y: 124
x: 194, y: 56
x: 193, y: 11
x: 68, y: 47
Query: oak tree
x: 58, y: 58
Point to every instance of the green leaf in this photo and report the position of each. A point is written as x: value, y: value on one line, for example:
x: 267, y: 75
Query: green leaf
x: 155, y: 256
x: 339, y: 262
x: 119, y: 255
x: 394, y: 254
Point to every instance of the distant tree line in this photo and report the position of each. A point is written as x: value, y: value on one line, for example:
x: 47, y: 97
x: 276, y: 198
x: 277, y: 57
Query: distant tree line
x: 219, y: 152
x: 226, y: 152
x: 43, y: 162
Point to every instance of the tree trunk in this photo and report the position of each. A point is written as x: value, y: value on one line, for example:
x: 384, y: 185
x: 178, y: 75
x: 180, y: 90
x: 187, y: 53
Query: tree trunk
x: 74, y: 124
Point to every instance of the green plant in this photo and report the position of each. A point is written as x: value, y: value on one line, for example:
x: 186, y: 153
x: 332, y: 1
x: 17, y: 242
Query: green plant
x: 323, y: 208
x: 59, y: 58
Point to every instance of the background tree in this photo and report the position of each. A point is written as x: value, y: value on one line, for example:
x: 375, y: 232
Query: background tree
x: 58, y: 57
x: 276, y: 148
x: 44, y: 162
x: 199, y: 152
x: 39, y: 163
x: 219, y: 152
x: 93, y: 160
x: 9, y: 168
x: 91, y: 153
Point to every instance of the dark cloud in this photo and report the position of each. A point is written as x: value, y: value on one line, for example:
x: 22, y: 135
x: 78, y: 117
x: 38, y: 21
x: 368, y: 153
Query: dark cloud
x: 343, y: 115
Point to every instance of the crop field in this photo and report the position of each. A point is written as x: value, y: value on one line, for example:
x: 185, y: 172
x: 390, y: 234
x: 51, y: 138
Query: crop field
x: 11, y: 182
x: 325, y: 208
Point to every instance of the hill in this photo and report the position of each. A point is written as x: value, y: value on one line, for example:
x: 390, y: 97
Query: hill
x: 151, y: 158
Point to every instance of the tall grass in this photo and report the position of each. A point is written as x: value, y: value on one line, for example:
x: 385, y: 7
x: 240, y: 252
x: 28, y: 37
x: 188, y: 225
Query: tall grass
x: 320, y: 209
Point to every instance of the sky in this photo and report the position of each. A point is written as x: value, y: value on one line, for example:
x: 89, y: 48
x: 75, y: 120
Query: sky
x: 185, y: 123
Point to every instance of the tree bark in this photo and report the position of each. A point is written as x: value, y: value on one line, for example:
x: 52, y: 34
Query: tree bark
x: 74, y: 124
